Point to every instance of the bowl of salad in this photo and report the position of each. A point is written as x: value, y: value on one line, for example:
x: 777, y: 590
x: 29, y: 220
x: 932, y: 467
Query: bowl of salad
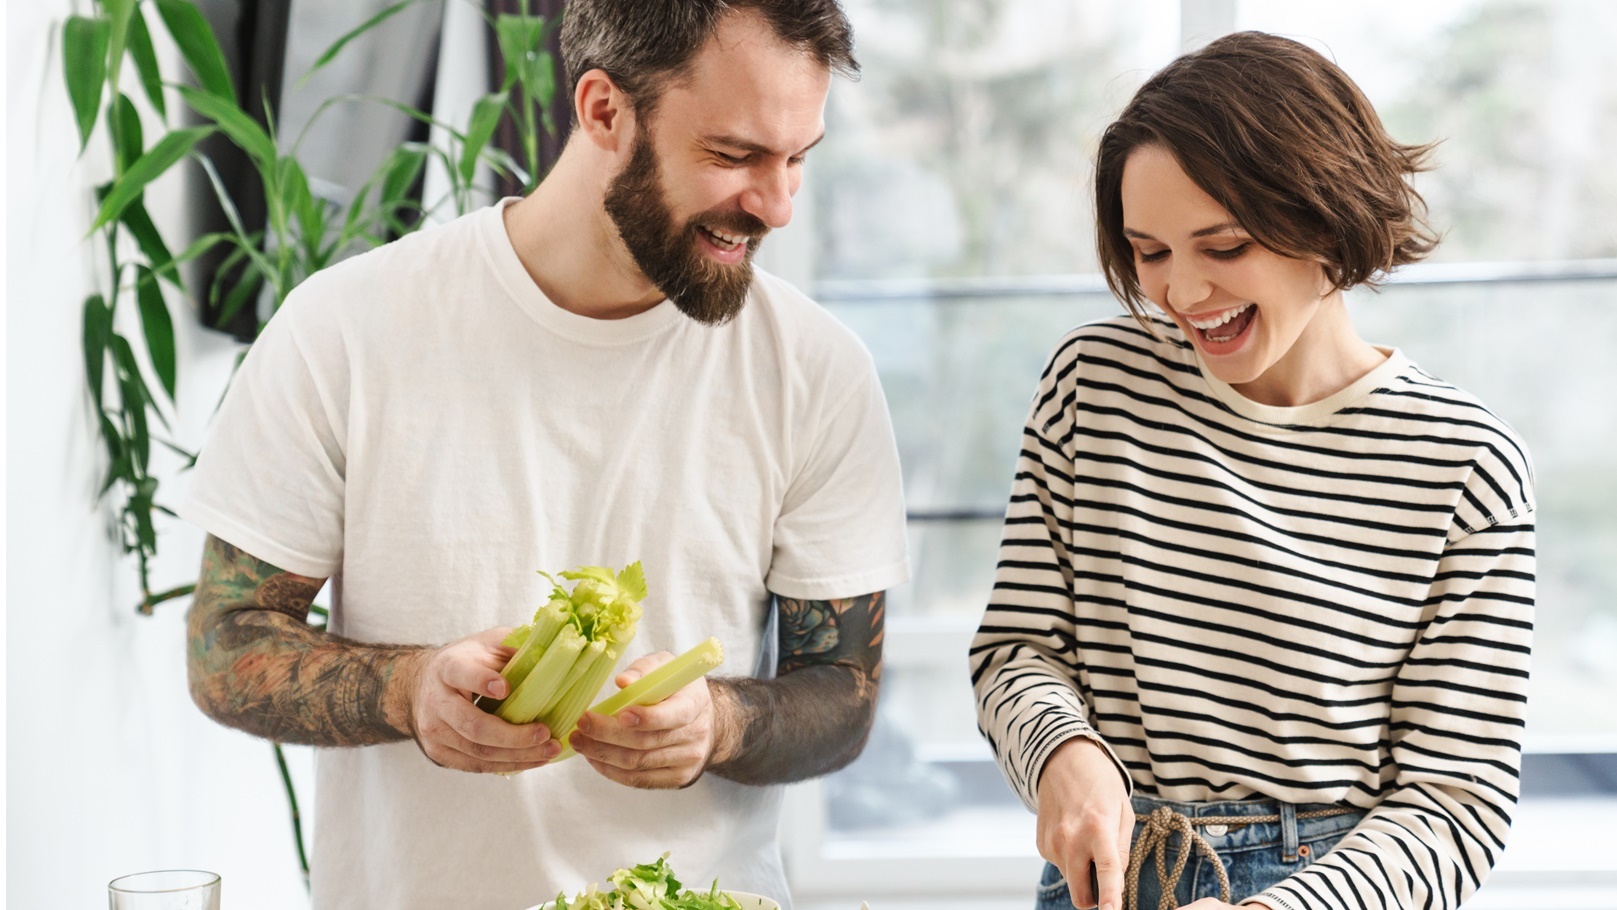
x: 653, y: 886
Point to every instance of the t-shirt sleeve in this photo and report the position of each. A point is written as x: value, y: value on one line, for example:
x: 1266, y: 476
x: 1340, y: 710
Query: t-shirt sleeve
x: 840, y: 532
x: 270, y: 476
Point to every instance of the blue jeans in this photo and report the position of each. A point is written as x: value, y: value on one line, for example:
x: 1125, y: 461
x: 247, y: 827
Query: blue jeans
x: 1255, y: 856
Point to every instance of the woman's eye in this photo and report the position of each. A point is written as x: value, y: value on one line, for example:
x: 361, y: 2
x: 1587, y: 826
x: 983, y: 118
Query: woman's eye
x: 1152, y: 257
x: 1229, y: 253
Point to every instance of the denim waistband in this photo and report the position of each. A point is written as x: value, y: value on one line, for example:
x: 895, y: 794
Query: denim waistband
x: 1294, y: 822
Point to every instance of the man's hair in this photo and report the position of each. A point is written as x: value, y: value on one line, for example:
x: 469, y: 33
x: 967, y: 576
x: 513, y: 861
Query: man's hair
x: 1283, y: 140
x: 644, y: 44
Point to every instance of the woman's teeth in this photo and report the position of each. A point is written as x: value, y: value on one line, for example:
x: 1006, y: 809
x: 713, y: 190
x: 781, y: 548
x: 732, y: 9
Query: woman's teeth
x: 1220, y: 319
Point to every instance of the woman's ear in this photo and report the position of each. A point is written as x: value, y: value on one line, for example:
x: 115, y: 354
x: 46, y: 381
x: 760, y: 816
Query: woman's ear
x: 604, y: 114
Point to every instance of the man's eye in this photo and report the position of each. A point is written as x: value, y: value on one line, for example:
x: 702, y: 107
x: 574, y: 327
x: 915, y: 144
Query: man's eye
x: 730, y: 159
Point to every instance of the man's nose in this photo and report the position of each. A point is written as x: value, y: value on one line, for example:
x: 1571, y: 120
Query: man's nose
x: 769, y: 197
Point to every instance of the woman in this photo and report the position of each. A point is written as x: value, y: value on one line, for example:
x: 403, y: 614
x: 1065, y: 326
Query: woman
x: 1266, y: 589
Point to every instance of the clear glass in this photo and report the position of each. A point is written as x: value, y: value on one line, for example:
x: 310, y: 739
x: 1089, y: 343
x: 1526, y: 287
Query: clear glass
x: 168, y: 889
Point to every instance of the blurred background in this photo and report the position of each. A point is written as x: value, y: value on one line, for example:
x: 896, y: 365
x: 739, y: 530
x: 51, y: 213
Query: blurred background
x: 946, y: 218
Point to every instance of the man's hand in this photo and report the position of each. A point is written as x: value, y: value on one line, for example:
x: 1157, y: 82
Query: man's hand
x: 452, y: 731
x: 1085, y: 820
x: 664, y: 746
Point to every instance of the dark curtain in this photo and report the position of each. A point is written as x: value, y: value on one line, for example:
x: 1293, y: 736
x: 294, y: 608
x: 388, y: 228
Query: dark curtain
x: 561, y: 107
x: 252, y: 34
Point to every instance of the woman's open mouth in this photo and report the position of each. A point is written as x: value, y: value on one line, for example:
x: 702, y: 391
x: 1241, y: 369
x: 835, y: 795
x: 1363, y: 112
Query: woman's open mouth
x: 1223, y: 332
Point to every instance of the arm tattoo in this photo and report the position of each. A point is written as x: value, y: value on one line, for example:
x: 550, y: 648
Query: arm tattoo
x: 256, y: 664
x: 814, y: 717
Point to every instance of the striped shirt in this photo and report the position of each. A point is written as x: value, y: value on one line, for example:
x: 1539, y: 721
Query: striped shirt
x: 1330, y: 603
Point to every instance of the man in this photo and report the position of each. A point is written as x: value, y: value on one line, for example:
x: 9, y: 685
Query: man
x: 591, y: 375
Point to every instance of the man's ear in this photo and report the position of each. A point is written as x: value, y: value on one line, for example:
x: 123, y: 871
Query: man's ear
x: 604, y: 114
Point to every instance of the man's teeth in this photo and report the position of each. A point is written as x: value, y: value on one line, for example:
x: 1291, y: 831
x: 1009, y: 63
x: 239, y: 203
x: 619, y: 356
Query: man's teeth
x: 732, y: 240
x: 1217, y: 321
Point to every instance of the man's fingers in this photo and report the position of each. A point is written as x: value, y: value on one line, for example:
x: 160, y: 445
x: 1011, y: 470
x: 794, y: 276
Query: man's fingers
x: 472, y: 677
x: 477, y: 726
x: 445, y: 746
x: 640, y: 667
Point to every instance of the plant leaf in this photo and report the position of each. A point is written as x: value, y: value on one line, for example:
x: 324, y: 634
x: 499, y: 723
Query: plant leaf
x: 157, y: 326
x: 137, y: 396
x: 123, y: 123
x: 198, y: 46
x: 337, y: 46
x: 97, y: 338
x: 485, y: 119
x: 236, y: 123
x: 400, y: 171
x: 295, y: 198
x: 539, y: 77
x: 164, y: 155
x: 119, y: 12
x: 84, y: 64
x: 145, y: 57
x: 151, y: 244
x: 519, y: 37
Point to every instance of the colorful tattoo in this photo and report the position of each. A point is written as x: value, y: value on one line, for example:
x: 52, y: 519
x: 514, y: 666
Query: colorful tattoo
x: 814, y: 717
x: 255, y: 663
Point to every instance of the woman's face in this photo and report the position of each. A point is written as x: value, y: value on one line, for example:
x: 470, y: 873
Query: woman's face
x: 1244, y: 306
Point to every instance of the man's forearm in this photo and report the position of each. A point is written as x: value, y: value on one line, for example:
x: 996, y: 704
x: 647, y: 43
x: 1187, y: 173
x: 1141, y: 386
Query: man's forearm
x: 816, y: 715
x: 255, y: 663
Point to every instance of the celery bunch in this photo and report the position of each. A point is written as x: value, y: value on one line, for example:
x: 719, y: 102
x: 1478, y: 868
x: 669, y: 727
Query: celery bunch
x: 572, y: 646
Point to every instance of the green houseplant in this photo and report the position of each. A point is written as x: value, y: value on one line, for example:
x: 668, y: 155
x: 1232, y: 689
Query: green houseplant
x: 132, y: 372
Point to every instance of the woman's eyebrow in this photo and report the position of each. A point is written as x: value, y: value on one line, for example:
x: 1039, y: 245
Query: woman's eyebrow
x: 1203, y: 232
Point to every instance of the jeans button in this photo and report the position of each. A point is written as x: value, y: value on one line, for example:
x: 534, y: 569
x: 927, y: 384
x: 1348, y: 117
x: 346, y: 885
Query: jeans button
x: 1216, y: 830
x: 1303, y: 851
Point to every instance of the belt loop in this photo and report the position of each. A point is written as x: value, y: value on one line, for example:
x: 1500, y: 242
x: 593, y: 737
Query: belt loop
x: 1288, y: 832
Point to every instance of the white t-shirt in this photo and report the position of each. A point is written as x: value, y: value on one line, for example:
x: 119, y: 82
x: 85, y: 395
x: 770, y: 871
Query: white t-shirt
x: 423, y: 424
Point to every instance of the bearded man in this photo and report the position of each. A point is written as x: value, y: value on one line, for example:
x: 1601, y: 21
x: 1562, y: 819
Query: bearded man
x: 594, y: 374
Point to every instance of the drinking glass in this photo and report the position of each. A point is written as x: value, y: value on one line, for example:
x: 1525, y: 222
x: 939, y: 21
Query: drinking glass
x: 169, y: 889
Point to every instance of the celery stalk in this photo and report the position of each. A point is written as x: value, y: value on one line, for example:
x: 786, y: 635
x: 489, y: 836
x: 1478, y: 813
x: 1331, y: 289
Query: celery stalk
x: 563, y: 717
x: 543, y: 684
x: 660, y: 683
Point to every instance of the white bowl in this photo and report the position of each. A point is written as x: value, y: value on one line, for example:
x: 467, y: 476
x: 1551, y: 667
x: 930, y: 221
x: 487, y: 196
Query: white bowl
x: 746, y: 899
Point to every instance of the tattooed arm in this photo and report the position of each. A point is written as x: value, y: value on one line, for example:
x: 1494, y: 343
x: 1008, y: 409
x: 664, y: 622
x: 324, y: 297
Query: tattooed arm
x: 255, y: 664
x: 815, y: 716
x: 812, y: 719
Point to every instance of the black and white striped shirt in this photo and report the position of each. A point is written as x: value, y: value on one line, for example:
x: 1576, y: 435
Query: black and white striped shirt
x: 1330, y: 603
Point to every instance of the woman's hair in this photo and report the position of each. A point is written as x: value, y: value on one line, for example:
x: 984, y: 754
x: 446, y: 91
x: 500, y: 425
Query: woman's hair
x: 1285, y: 142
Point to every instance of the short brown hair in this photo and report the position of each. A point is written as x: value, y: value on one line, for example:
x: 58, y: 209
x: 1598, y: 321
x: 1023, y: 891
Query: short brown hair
x: 642, y: 44
x: 1283, y: 140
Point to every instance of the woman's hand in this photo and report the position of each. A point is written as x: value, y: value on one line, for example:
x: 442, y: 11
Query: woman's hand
x: 1085, y: 821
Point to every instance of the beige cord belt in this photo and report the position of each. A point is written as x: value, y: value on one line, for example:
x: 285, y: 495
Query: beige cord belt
x: 1163, y: 823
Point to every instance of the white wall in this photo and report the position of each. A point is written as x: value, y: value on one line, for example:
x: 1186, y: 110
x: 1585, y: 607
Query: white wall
x: 110, y: 769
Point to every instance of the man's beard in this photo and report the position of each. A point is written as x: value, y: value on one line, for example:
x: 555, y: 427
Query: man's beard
x: 670, y: 255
